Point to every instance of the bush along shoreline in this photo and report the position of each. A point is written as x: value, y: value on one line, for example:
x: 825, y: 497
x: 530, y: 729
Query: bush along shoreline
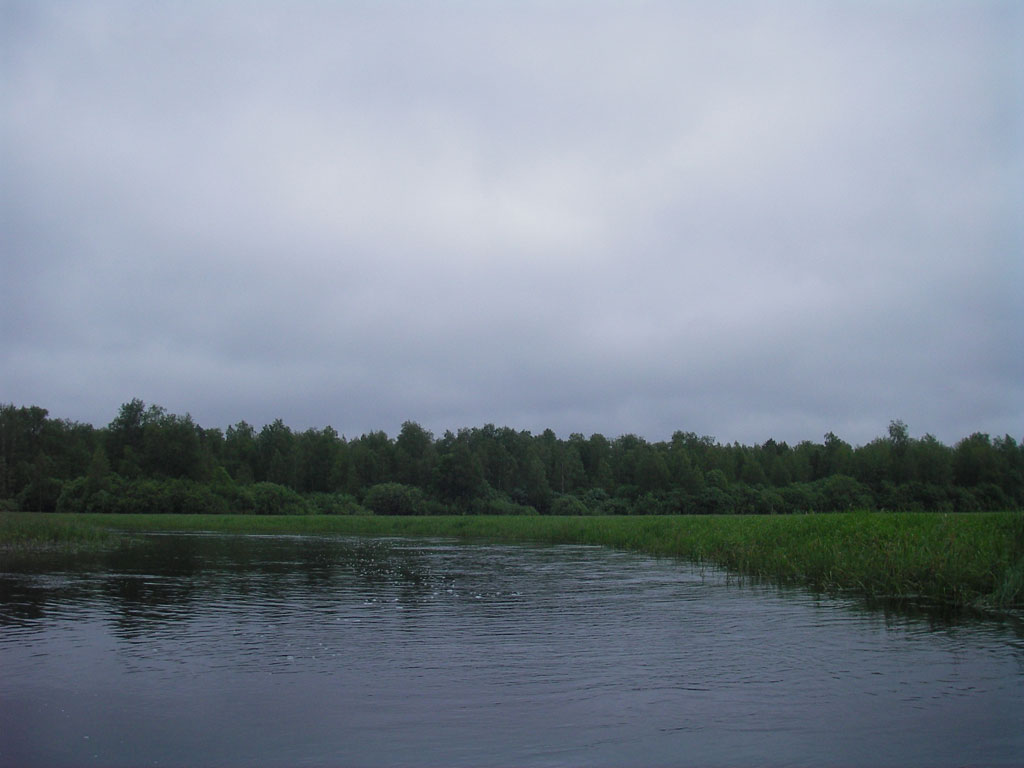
x: 148, y: 460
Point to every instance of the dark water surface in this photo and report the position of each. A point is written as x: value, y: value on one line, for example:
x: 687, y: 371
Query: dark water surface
x: 298, y: 650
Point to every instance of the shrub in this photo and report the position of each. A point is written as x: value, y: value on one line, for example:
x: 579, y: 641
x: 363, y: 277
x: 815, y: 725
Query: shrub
x: 991, y: 497
x: 801, y: 497
x: 842, y: 493
x: 73, y: 496
x: 274, y: 499
x: 102, y: 502
x: 40, y: 495
x: 145, y: 497
x: 394, y: 499
x: 963, y: 500
x: 651, y: 504
x: 770, y: 502
x: 336, y: 504
x: 567, y: 504
x: 239, y: 498
x: 714, y: 501
x: 198, y: 499
x: 499, y: 505
x: 614, y: 506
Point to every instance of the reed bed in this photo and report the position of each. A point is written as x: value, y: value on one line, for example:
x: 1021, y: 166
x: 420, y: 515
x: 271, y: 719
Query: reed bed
x: 957, y: 560
x: 33, y: 532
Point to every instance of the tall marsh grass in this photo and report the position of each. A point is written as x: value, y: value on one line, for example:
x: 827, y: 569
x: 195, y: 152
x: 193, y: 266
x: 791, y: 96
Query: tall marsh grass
x: 951, y: 559
x: 32, y: 531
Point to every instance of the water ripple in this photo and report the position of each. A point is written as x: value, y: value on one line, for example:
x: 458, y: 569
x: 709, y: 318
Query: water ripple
x: 316, y: 650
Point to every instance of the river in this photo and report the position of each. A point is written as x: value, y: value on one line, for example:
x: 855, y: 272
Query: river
x: 208, y: 650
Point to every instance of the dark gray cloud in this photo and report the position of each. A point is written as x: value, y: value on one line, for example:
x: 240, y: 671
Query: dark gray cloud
x: 748, y: 220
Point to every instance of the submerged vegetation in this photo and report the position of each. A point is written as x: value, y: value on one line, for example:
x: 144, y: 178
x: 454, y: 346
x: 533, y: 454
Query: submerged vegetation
x: 954, y: 560
x: 150, y: 461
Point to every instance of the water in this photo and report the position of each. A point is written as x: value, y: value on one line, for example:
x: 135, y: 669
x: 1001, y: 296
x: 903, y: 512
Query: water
x: 275, y: 650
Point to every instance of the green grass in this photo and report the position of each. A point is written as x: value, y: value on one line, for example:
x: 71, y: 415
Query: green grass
x: 955, y: 560
x: 32, y: 532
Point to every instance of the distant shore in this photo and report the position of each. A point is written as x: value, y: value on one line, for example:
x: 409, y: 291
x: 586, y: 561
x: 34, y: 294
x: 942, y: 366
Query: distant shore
x: 955, y: 560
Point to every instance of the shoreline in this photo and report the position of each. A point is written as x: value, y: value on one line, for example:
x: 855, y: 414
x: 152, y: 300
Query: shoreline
x: 959, y: 561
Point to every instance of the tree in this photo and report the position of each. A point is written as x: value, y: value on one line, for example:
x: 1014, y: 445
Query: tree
x: 98, y: 478
x: 770, y: 455
x: 126, y: 432
x: 567, y: 468
x: 372, y: 459
x: 275, y: 447
x: 459, y: 476
x: 899, y: 439
x: 500, y: 466
x: 41, y: 492
x: 317, y: 450
x: 931, y: 462
x: 651, y: 473
x: 873, y: 463
x: 595, y: 454
x: 241, y: 455
x: 414, y: 455
x: 171, y: 446
x: 1011, y: 467
x: 749, y: 469
x: 535, y: 490
x: 837, y: 457
x: 974, y: 461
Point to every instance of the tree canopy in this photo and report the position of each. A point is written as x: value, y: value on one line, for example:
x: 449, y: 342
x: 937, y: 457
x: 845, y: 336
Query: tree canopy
x: 147, y: 459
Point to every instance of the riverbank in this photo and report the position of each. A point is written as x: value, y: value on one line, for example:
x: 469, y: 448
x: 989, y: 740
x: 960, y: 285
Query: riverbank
x: 958, y: 560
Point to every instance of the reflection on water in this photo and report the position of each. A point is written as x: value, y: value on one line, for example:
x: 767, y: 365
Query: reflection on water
x: 298, y: 650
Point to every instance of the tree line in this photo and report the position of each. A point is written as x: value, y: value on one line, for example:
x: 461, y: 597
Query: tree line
x: 150, y: 460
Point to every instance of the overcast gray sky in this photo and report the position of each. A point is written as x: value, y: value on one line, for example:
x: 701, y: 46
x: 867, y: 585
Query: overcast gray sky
x: 743, y: 219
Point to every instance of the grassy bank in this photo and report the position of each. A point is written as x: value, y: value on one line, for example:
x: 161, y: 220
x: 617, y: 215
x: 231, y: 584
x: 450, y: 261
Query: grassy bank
x: 957, y: 560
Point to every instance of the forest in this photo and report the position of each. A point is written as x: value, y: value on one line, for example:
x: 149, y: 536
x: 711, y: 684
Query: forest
x: 149, y: 460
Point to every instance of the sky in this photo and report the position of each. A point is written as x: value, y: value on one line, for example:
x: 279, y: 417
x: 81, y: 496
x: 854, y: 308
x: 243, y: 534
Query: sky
x: 747, y: 220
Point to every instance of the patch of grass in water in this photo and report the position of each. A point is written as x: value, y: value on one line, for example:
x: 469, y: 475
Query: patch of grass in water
x: 40, y: 532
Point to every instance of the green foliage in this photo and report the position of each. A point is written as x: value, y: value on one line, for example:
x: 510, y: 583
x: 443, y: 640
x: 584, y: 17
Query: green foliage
x: 713, y: 500
x: 336, y: 504
x: 36, y: 451
x: 239, y: 498
x: 42, y: 490
x: 73, y: 496
x: 842, y: 493
x: 394, y: 499
x: 499, y: 505
x: 274, y: 499
x: 149, y: 456
x: 169, y: 497
x: 459, y: 476
x: 567, y: 504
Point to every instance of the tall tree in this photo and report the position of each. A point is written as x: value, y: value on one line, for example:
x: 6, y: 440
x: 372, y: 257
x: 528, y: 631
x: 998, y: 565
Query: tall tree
x: 414, y: 455
x: 125, y: 434
x: 241, y: 453
x: 459, y: 475
x: 276, y: 449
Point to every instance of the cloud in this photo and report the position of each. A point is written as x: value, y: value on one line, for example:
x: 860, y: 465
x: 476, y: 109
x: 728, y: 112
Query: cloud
x: 745, y: 220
